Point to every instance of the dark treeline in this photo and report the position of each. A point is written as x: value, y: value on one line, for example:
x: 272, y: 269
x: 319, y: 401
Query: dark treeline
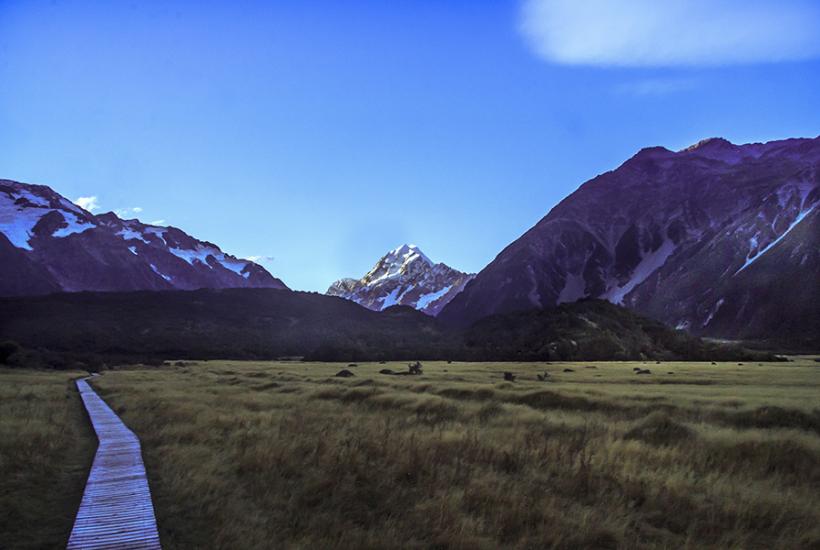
x: 94, y: 329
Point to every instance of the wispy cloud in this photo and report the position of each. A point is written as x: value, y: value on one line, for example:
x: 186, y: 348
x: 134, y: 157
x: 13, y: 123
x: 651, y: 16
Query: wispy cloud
x: 260, y: 259
x: 87, y: 203
x: 656, y: 86
x: 672, y: 32
x: 157, y: 222
x: 124, y: 212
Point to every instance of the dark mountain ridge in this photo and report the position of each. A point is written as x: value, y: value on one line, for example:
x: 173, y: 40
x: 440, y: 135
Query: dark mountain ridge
x: 717, y: 239
x: 268, y: 323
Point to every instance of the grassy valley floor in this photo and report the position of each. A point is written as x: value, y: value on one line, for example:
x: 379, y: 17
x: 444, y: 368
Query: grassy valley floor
x: 46, y: 449
x: 261, y: 455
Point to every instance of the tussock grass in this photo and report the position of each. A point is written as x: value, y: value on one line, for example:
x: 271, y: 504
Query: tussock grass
x: 659, y: 429
x: 727, y: 456
x: 773, y: 417
x: 46, y: 449
x: 260, y: 455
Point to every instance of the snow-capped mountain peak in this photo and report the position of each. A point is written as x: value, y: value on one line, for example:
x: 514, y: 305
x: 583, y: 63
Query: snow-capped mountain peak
x: 49, y: 244
x: 403, y: 276
x: 29, y: 211
x: 401, y: 261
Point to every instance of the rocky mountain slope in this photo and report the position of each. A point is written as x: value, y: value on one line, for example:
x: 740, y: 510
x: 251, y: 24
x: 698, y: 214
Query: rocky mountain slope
x: 404, y: 276
x: 48, y: 244
x: 718, y: 239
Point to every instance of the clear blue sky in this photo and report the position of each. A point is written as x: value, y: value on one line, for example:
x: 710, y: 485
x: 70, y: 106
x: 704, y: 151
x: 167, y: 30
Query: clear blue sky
x: 322, y: 134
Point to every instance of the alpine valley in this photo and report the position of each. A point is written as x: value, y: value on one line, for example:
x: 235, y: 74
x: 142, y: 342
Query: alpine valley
x: 716, y: 240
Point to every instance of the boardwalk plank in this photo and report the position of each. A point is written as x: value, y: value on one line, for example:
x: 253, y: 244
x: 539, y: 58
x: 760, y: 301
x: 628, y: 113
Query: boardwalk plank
x: 116, y: 510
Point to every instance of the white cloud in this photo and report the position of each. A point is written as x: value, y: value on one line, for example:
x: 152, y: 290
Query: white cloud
x: 157, y: 222
x: 87, y: 203
x: 260, y: 259
x: 671, y: 32
x: 124, y: 212
x: 656, y: 86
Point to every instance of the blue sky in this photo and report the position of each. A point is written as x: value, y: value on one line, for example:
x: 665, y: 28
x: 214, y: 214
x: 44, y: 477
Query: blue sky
x: 319, y: 135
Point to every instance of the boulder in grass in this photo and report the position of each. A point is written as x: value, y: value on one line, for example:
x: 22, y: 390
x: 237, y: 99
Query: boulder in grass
x: 509, y: 377
x: 568, y: 370
x: 344, y: 373
x: 386, y: 371
x: 643, y: 371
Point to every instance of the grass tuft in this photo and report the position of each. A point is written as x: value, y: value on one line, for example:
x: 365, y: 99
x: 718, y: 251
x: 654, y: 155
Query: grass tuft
x: 659, y: 429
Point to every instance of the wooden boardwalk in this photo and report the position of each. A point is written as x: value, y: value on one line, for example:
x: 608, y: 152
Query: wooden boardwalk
x: 116, y: 510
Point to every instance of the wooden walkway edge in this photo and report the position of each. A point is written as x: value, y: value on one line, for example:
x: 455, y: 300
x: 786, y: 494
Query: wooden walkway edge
x: 116, y: 510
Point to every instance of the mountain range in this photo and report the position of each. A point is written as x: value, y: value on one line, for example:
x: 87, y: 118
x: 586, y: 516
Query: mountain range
x: 718, y: 239
x: 49, y: 244
x: 404, y: 276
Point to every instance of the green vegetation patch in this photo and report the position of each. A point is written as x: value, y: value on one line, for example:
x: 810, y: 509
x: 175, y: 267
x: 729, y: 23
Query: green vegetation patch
x: 46, y: 449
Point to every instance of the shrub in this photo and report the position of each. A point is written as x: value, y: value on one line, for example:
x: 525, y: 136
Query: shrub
x: 7, y: 349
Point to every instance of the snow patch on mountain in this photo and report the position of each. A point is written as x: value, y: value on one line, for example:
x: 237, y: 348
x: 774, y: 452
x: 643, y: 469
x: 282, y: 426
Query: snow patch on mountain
x: 21, y: 210
x: 17, y: 224
x: 237, y: 266
x: 157, y: 271
x: 202, y: 253
x: 427, y: 299
x: 31, y: 198
x: 158, y: 232
x: 712, y: 313
x: 199, y: 254
x: 128, y: 234
x: 647, y: 266
x: 391, y: 299
x: 74, y: 225
x: 750, y: 260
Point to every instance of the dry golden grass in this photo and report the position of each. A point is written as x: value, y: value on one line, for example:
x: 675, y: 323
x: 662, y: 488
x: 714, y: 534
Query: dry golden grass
x: 258, y: 455
x: 261, y: 455
x: 46, y: 449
